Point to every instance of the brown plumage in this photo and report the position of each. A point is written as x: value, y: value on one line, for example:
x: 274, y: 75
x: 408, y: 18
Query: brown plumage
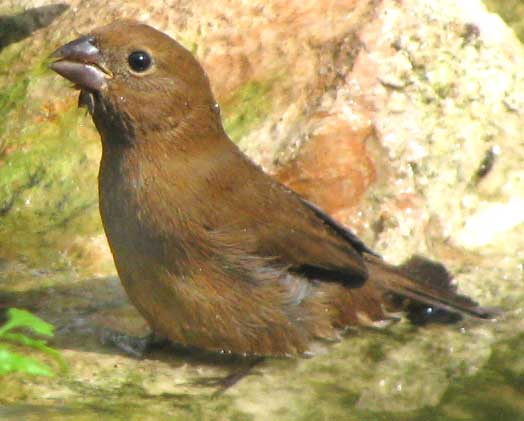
x: 211, y: 250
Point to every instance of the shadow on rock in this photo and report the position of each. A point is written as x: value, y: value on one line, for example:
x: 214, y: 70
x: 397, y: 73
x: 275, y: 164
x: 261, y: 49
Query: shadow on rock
x: 18, y: 27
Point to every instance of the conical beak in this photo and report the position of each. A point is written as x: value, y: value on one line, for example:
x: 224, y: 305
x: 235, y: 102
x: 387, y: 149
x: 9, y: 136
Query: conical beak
x: 79, y: 61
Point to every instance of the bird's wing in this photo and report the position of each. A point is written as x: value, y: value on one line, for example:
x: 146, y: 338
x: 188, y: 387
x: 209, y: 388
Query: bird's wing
x: 309, y: 241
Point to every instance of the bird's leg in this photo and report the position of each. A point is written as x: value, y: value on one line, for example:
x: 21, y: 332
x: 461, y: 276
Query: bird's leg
x: 134, y: 346
x: 224, y: 383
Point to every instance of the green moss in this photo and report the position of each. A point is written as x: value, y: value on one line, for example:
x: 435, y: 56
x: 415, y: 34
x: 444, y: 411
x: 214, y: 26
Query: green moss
x: 188, y: 43
x: 47, y: 190
x: 47, y: 168
x: 12, y: 94
x: 10, y: 98
x: 472, y: 397
x: 246, y: 108
x: 512, y: 11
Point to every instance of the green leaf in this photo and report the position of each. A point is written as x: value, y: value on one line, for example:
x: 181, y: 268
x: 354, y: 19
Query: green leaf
x: 22, y: 318
x: 39, y: 344
x: 12, y: 362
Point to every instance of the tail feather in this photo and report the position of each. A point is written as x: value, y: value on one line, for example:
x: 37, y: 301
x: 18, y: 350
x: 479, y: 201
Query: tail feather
x: 424, y: 289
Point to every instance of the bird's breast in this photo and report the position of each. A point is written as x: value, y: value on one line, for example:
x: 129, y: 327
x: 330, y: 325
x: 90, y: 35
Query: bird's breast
x: 131, y: 211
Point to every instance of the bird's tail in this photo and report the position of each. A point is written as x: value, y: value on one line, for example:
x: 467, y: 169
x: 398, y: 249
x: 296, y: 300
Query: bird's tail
x: 423, y: 289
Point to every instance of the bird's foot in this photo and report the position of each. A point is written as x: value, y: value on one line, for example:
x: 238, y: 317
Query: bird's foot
x: 134, y: 346
x: 222, y: 384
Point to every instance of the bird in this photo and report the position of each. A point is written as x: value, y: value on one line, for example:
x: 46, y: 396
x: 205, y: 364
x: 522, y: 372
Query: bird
x: 213, y: 252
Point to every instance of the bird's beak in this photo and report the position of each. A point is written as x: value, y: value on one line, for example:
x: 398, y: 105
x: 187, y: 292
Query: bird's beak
x: 80, y: 62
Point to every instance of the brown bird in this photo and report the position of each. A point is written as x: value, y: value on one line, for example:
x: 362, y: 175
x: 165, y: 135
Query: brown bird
x: 212, y: 251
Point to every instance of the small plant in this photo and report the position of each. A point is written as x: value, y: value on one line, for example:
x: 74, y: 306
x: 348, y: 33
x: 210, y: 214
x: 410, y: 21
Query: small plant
x: 11, y: 361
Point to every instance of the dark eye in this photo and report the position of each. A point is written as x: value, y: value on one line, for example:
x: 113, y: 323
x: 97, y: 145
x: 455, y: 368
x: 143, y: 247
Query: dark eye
x: 139, y: 61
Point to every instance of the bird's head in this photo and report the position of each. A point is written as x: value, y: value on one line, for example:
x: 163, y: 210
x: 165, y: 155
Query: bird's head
x: 133, y: 78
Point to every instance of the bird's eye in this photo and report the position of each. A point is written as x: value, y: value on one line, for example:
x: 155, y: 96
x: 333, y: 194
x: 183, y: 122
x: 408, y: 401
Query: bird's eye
x: 139, y: 61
